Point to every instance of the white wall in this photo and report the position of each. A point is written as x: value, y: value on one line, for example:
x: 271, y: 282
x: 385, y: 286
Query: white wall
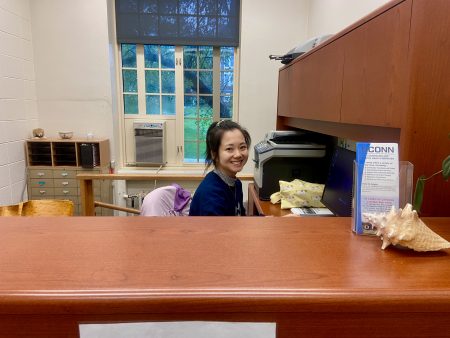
x: 268, y: 27
x: 18, y: 113
x: 331, y: 16
x: 73, y: 79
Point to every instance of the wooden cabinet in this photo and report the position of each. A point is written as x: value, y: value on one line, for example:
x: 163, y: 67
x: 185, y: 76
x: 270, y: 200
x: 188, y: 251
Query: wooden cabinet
x: 53, y: 166
x: 386, y: 78
x: 318, y: 94
x: 375, y: 72
x: 39, y: 153
x: 312, y: 88
x: 68, y: 153
x: 285, y: 93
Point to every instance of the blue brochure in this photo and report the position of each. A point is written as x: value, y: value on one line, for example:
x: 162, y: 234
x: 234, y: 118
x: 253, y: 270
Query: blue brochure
x: 376, y: 182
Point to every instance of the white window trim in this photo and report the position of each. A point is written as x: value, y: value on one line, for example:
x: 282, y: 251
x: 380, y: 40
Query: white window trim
x: 179, y: 166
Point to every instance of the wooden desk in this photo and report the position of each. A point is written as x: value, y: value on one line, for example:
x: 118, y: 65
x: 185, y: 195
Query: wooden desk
x: 256, y: 207
x: 313, y: 277
x: 87, y: 187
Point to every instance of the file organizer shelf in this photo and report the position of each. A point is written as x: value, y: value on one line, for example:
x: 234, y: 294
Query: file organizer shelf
x: 53, y: 164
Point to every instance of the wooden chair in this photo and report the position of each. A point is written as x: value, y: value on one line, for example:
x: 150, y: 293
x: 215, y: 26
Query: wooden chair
x: 39, y: 208
x: 11, y: 210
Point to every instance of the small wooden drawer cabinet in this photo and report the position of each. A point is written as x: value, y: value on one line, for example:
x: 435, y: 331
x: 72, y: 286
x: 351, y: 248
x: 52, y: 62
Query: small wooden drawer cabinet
x: 53, y: 166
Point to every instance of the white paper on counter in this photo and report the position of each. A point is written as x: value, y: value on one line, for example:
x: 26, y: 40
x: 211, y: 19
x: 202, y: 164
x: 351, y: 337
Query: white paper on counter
x: 185, y: 329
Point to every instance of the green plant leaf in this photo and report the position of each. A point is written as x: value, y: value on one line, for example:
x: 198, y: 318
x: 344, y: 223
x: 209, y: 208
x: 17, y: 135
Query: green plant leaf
x: 418, y: 193
x: 446, y: 168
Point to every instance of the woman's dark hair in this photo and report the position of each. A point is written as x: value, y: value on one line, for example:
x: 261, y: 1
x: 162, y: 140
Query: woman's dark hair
x: 214, y: 137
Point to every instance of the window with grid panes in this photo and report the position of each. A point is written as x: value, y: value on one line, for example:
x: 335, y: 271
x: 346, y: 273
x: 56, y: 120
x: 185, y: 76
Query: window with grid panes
x: 193, y: 84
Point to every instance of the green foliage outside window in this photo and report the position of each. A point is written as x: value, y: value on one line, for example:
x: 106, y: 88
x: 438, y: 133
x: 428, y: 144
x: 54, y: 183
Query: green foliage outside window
x: 199, y: 73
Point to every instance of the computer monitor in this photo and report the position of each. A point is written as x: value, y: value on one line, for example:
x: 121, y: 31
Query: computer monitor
x: 337, y: 194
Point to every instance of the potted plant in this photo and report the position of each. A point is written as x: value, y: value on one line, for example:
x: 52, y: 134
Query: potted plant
x: 420, y: 184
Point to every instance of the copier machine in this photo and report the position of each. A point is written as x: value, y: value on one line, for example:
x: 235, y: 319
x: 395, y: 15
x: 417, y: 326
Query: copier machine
x: 285, y: 156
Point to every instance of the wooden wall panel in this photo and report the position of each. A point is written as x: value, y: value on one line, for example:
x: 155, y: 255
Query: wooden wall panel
x: 428, y: 130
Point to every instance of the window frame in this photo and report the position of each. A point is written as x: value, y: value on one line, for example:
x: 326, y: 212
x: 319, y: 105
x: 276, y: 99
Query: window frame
x: 178, y: 152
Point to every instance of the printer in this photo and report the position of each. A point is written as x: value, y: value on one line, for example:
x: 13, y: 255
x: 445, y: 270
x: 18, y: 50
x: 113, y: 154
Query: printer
x: 288, y: 155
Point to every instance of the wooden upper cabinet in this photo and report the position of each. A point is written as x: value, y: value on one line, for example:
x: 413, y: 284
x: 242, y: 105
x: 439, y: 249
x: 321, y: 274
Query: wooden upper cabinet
x: 375, y: 82
x: 361, y: 77
x: 284, y: 94
x: 394, y: 87
x: 315, y: 84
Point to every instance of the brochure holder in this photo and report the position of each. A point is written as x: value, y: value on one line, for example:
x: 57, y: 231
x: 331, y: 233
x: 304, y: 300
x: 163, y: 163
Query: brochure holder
x: 406, y: 170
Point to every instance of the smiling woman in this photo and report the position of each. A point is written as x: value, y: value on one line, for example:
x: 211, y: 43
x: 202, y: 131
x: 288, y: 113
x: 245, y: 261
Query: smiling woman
x: 220, y: 192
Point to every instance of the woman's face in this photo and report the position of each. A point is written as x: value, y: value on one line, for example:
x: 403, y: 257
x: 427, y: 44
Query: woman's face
x: 233, y: 153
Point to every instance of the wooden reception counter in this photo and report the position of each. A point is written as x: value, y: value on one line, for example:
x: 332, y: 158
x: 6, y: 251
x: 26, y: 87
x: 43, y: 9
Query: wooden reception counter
x: 312, y: 276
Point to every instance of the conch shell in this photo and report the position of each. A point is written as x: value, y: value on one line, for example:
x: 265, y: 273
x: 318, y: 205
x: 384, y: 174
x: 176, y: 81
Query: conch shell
x: 404, y: 227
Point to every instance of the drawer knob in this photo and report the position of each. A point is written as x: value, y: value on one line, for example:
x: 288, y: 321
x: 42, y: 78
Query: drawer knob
x: 64, y: 174
x: 65, y: 192
x: 42, y: 192
x: 40, y: 174
x: 65, y: 183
